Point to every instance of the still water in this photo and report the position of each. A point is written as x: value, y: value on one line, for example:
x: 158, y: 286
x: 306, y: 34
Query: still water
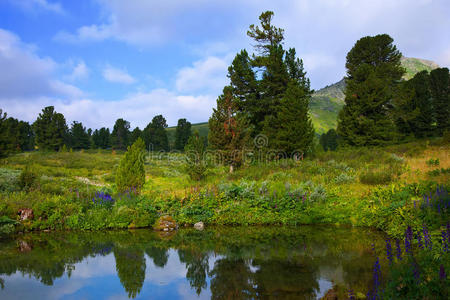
x: 221, y: 263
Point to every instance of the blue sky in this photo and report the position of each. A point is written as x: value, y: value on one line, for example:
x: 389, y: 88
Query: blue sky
x: 99, y: 60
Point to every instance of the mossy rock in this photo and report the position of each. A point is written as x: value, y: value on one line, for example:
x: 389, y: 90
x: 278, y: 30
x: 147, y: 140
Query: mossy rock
x: 165, y: 223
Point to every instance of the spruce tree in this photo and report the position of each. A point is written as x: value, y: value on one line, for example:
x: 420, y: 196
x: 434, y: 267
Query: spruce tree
x: 134, y: 135
x: 182, y: 134
x: 422, y: 124
x: 373, y: 72
x: 227, y: 129
x: 51, y: 129
x: 131, y: 173
x: 196, y: 164
x: 78, y: 136
x: 120, y: 134
x: 101, y: 138
x: 155, y: 135
x: 440, y: 91
x: 290, y: 130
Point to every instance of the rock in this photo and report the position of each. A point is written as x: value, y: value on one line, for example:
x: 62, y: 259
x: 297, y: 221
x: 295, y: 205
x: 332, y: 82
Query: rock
x: 165, y: 223
x: 199, y: 226
x: 25, y: 214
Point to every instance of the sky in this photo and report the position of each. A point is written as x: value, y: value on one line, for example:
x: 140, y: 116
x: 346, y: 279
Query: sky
x: 99, y: 60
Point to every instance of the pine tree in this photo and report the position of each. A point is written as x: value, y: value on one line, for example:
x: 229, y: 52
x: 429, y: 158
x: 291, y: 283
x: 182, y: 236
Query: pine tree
x: 120, y: 134
x: 101, y: 138
x: 135, y: 134
x: 51, y: 129
x: 227, y: 129
x: 182, y: 134
x: 373, y: 72
x: 155, y: 135
x: 131, y: 173
x: 196, y: 164
x: 329, y: 140
x: 78, y: 136
x: 422, y: 124
x: 291, y: 130
x: 440, y: 91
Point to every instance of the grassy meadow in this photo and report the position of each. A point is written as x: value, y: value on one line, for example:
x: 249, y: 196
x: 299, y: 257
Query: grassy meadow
x: 362, y: 187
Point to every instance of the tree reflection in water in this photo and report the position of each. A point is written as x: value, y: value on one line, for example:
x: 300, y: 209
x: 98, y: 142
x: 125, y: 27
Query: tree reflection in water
x: 237, y: 262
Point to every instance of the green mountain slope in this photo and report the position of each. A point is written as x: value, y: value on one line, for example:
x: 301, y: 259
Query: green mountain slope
x: 328, y: 101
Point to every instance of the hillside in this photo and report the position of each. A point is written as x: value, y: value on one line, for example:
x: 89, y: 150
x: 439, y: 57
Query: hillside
x: 328, y: 101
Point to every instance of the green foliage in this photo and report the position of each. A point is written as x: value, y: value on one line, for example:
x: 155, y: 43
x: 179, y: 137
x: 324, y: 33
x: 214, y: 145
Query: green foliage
x: 329, y: 140
x: 155, y: 135
x: 373, y: 70
x: 182, y: 134
x: 120, y: 134
x: 130, y: 173
x: 51, y: 129
x: 196, y: 164
x: 9, y: 180
x: 375, y: 177
x: 101, y: 138
x: 433, y: 162
x: 15, y: 135
x: 78, y: 136
x: 135, y: 134
x: 28, y: 178
x: 440, y: 92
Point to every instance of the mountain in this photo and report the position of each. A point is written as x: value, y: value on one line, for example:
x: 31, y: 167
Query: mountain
x: 328, y: 101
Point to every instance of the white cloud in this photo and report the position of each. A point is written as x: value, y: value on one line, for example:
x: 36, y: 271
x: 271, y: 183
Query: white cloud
x: 28, y: 75
x: 32, y: 5
x: 80, y: 71
x: 117, y: 75
x: 208, y: 74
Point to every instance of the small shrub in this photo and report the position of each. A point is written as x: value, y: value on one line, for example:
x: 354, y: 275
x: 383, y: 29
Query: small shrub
x: 344, y: 178
x: 28, y: 178
x: 196, y: 166
x: 319, y: 194
x: 375, y: 177
x: 9, y: 180
x: 131, y: 173
x: 433, y: 162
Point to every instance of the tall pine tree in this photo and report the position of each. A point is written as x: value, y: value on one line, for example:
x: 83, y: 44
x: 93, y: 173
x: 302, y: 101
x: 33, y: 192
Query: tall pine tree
x: 373, y: 72
x: 78, y: 136
x: 51, y: 129
x: 155, y: 135
x: 440, y: 91
x: 120, y: 134
x: 227, y: 129
x: 182, y: 134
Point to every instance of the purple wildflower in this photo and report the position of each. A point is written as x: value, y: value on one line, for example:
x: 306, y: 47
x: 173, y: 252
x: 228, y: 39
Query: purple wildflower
x: 419, y: 240
x: 444, y: 241
x: 427, y: 238
x: 416, y: 271
x: 389, y: 251
x: 351, y: 295
x: 408, y: 239
x: 399, y: 250
x: 442, y: 275
x: 373, y: 294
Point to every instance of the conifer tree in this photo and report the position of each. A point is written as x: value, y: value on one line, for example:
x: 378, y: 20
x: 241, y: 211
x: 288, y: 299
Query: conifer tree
x: 155, y: 135
x: 51, y: 129
x: 78, y: 136
x: 134, y: 135
x: 227, y: 129
x: 130, y: 173
x: 196, y: 161
x: 373, y: 72
x: 101, y: 138
x: 120, y: 134
x: 182, y: 134
x: 440, y: 91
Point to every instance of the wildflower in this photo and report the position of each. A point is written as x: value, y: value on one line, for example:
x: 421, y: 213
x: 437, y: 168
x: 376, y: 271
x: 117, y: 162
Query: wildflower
x: 399, y: 250
x: 373, y: 294
x: 442, y: 275
x: 427, y: 238
x: 419, y: 240
x: 389, y: 251
x: 444, y: 241
x: 408, y: 239
x: 351, y: 295
x: 416, y: 272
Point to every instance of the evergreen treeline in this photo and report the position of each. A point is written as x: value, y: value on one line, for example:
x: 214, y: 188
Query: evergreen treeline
x: 50, y: 132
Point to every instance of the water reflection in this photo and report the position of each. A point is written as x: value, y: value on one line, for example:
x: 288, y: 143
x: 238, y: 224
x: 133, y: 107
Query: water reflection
x: 221, y: 263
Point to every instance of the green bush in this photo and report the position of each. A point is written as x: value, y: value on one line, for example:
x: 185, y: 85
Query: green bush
x: 130, y: 173
x: 196, y: 165
x: 374, y: 177
x: 9, y: 180
x: 28, y: 178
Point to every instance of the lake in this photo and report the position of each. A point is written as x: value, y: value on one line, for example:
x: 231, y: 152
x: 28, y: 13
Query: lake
x: 302, y: 262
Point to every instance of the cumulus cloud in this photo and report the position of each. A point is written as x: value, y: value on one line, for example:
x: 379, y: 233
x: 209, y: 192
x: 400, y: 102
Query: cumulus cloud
x: 80, y: 71
x: 206, y: 74
x: 117, y: 75
x: 28, y: 75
